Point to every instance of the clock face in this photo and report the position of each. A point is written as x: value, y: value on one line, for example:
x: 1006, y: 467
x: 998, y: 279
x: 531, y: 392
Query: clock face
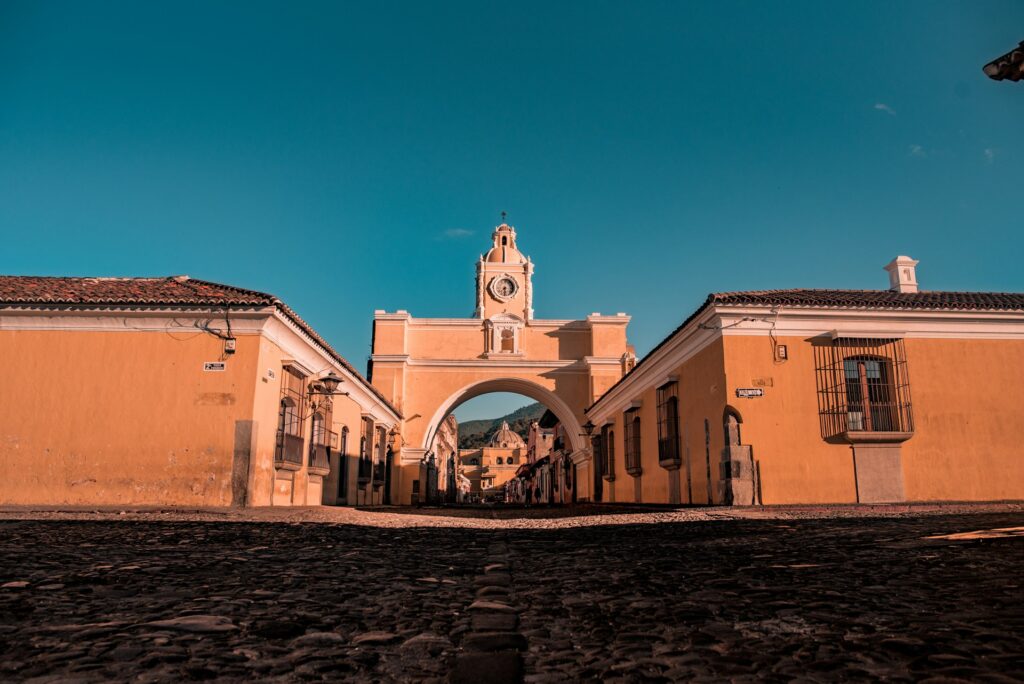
x: 504, y: 287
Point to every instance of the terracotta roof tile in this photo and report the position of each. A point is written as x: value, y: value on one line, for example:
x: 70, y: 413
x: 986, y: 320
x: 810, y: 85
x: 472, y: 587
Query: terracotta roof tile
x: 175, y: 290
x: 45, y: 291
x: 874, y: 299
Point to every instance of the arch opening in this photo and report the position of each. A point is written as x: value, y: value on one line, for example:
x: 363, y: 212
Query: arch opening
x: 526, y: 388
x: 494, y: 441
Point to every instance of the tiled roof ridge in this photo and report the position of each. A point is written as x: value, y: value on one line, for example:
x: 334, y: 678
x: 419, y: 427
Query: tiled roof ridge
x: 189, y: 281
x: 874, y: 299
x: 822, y: 290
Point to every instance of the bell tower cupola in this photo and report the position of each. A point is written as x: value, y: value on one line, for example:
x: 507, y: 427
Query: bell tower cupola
x: 504, y: 275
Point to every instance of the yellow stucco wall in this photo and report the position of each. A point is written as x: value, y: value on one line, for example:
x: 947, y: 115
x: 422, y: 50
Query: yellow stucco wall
x: 797, y: 465
x: 968, y: 399
x: 94, y: 417
x: 701, y: 395
x: 967, y: 444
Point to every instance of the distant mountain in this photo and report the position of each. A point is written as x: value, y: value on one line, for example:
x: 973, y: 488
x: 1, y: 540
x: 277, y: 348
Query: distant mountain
x: 474, y: 434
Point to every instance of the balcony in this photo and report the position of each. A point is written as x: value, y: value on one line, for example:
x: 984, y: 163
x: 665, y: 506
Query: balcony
x: 319, y: 460
x: 364, y: 470
x: 668, y: 453
x: 289, y: 452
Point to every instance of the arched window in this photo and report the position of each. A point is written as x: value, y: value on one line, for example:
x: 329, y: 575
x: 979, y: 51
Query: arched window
x: 289, y: 432
x: 291, y: 419
x: 343, y: 465
x: 863, y: 386
x: 511, y: 460
x: 365, y: 447
x: 668, y: 424
x: 499, y: 461
x: 631, y: 425
x: 608, y: 452
x: 382, y: 445
x: 319, y: 440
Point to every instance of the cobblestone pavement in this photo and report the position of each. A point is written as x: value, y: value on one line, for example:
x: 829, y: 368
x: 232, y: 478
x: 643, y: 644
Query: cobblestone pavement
x: 774, y: 597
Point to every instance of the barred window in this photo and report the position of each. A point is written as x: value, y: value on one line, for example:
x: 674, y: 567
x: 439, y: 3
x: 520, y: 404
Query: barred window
x: 668, y: 423
x: 863, y: 386
x: 320, y: 444
x: 290, y: 443
x: 365, y: 449
x: 631, y: 430
x: 608, y: 452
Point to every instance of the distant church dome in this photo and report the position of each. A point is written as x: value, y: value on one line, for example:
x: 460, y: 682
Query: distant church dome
x: 504, y: 249
x: 505, y: 438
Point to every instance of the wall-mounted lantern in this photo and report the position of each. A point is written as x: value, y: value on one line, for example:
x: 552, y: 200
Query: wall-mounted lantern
x: 320, y: 391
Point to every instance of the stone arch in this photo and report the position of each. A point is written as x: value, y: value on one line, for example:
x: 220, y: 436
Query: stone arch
x: 517, y: 386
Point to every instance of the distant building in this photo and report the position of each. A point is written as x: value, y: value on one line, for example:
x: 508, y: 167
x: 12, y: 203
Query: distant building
x: 490, y: 467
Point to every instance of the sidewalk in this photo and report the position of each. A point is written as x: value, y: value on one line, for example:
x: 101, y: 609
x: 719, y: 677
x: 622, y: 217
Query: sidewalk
x: 584, y: 515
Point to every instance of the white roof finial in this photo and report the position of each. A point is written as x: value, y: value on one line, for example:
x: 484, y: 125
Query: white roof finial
x: 902, y: 274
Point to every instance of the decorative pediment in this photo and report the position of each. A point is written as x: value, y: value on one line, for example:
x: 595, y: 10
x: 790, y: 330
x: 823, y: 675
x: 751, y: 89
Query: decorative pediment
x: 503, y: 334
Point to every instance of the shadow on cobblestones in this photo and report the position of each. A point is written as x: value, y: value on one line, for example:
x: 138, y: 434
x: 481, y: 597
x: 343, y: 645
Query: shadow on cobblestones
x: 734, y: 599
x: 306, y: 601
x: 818, y: 599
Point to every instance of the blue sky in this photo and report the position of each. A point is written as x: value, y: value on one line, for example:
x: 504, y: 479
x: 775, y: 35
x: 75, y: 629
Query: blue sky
x: 647, y: 153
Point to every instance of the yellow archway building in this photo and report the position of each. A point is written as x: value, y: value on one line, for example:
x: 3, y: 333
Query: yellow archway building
x: 429, y: 366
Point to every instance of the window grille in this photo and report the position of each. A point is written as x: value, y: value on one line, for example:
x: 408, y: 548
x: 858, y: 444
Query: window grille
x: 608, y: 452
x: 863, y: 386
x: 365, y: 448
x: 668, y: 424
x: 631, y: 430
x: 290, y: 444
x: 319, y: 447
x: 378, y: 457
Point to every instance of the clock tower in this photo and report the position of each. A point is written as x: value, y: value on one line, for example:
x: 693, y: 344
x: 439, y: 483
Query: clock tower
x: 503, y: 279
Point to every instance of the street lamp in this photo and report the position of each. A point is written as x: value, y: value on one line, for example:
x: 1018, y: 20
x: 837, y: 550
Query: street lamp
x: 324, y: 388
x: 1007, y: 67
x: 588, y: 429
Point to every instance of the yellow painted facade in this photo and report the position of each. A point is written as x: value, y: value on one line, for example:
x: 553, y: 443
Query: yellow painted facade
x: 124, y: 404
x: 181, y: 392
x: 965, y: 394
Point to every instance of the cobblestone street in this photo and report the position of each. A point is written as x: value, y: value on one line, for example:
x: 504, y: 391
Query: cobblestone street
x: 761, y: 597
